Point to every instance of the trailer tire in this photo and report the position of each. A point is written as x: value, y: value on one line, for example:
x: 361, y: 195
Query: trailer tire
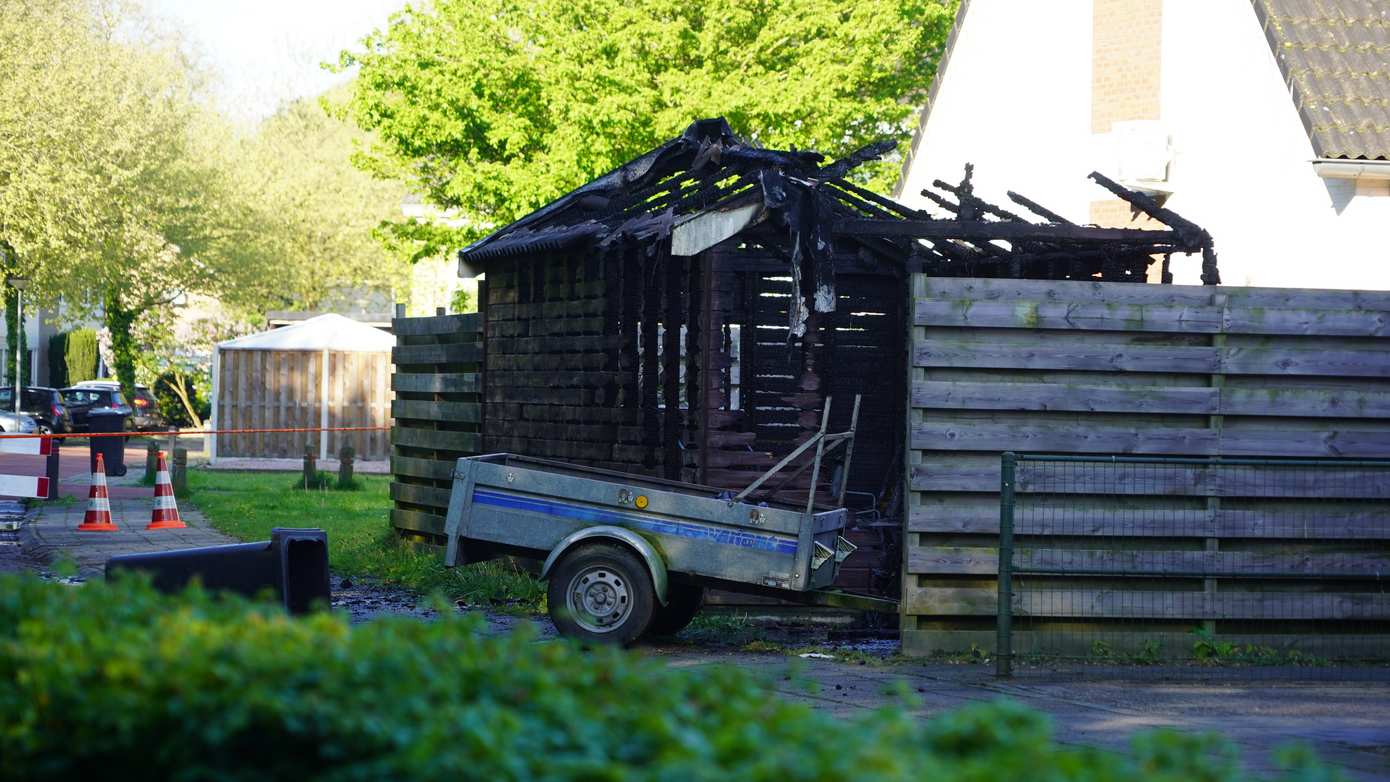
x: 683, y: 602
x: 601, y: 593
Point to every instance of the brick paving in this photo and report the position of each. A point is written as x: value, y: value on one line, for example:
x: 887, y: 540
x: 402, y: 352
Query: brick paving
x: 52, y: 531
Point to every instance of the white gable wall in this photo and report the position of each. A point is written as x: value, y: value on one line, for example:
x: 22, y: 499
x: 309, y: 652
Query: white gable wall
x: 1241, y: 161
x: 1015, y: 100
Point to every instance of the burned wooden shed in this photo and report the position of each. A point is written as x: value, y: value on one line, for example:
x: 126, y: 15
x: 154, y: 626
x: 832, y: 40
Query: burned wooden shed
x: 689, y: 314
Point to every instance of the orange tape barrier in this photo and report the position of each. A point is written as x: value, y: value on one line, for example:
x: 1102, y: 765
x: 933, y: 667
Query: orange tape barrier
x: 200, y: 432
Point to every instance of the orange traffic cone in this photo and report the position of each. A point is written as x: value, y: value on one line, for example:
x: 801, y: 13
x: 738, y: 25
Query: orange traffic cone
x: 98, y: 515
x: 166, y: 512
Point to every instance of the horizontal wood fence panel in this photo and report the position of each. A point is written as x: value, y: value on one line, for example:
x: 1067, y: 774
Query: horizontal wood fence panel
x: 1078, y: 398
x: 965, y: 560
x: 1066, y: 439
x: 1118, y: 604
x: 1370, y: 524
x: 976, y: 289
x: 1092, y: 368
x: 1295, y: 361
x: 1066, y: 315
x: 1189, y: 481
x: 1188, y: 319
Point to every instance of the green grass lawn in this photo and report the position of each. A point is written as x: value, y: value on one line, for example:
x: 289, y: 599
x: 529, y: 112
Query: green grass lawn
x: 361, y: 542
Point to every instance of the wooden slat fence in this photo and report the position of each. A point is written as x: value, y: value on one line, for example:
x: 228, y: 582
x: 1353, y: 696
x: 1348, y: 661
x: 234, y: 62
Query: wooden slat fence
x: 276, y: 389
x: 1155, y: 370
x: 438, y: 415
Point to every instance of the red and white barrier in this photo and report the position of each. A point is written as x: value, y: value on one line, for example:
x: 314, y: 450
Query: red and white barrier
x: 24, y: 486
x: 28, y: 446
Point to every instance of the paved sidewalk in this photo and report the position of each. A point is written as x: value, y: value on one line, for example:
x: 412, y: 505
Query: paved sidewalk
x: 52, y: 532
x: 1347, y: 723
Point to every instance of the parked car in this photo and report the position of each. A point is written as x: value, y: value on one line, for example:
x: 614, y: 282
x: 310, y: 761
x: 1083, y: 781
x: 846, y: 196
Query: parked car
x: 45, y: 405
x: 81, y: 401
x: 17, y: 424
x: 144, y: 414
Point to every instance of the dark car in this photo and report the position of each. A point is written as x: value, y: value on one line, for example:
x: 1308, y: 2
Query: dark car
x: 82, y: 400
x: 144, y: 410
x: 45, y: 405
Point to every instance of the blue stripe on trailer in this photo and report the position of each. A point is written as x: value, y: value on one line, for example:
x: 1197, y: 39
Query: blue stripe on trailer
x: 649, y: 523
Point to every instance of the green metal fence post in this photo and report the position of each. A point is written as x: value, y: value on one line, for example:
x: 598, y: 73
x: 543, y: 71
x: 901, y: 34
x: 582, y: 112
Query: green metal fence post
x: 1004, y: 612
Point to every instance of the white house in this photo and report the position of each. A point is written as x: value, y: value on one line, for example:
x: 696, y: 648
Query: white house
x: 1267, y: 122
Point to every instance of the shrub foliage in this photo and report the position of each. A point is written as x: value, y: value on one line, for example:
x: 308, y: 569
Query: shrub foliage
x: 118, y: 682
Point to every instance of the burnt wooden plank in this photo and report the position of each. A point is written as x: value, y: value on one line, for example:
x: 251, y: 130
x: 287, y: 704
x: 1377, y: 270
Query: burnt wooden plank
x: 438, y: 325
x: 413, y: 467
x: 420, y: 495
x: 467, y: 412
x: 448, y: 353
x: 417, y: 521
x: 463, y: 442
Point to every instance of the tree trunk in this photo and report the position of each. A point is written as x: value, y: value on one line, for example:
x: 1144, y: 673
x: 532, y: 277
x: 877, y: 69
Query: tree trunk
x: 180, y: 386
x: 15, y: 340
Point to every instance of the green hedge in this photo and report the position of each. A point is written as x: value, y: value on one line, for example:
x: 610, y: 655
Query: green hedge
x: 114, y: 682
x: 79, y: 356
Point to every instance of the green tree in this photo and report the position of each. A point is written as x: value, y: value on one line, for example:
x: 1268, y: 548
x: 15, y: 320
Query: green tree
x: 323, y: 212
x: 495, y: 107
x: 120, y: 190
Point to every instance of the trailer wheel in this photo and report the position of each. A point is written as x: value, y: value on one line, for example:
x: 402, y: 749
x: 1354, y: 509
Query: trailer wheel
x: 683, y: 602
x: 601, y: 593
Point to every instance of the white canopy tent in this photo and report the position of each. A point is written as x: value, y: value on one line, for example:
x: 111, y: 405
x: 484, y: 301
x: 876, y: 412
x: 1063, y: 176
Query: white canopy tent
x: 327, y: 371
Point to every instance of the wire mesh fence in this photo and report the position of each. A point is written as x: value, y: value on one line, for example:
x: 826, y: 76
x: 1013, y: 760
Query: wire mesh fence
x: 1194, y: 568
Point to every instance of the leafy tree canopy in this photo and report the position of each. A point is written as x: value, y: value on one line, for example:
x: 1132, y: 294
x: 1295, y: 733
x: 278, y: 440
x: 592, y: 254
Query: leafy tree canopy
x: 496, y: 107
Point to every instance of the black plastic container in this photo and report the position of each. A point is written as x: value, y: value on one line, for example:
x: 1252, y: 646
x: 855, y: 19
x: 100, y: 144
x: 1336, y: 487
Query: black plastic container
x: 293, y: 564
x: 112, y: 449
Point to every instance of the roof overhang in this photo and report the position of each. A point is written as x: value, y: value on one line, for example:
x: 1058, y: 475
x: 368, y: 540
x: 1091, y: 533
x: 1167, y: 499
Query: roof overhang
x: 1335, y: 168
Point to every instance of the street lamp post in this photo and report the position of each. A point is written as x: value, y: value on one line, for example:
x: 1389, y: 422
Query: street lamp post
x: 19, y: 284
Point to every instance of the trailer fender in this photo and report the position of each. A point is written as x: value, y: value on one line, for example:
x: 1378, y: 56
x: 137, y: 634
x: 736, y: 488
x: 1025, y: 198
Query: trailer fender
x: 655, y: 564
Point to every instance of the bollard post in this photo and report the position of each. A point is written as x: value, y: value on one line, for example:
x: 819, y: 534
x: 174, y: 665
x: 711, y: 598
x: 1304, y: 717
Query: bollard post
x: 345, y: 466
x: 178, y: 472
x: 310, y: 470
x: 51, y: 468
x: 1004, y: 610
x: 151, y: 460
x: 173, y: 439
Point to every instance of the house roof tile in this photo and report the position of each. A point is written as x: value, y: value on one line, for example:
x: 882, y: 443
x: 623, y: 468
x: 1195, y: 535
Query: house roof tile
x: 1335, y: 58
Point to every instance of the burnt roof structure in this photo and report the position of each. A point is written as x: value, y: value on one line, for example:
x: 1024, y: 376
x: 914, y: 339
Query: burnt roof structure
x: 710, y: 172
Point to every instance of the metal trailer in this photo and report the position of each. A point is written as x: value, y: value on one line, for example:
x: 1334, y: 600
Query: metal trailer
x: 628, y: 555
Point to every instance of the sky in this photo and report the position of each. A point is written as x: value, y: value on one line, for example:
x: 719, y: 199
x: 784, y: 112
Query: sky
x: 263, y: 53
